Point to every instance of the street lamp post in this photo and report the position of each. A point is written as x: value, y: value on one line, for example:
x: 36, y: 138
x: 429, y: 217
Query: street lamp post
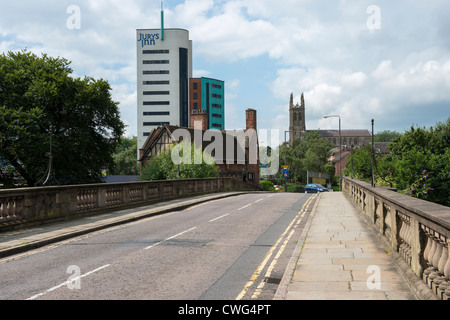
x: 340, y: 147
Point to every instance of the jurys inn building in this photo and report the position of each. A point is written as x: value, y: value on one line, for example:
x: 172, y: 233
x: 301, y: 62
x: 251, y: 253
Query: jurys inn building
x: 164, y: 83
x: 164, y: 67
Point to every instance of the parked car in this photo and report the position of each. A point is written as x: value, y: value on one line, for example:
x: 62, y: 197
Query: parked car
x: 315, y: 188
x: 279, y: 188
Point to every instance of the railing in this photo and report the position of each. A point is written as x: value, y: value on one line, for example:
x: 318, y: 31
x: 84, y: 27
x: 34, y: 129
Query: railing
x: 418, y: 230
x: 31, y: 206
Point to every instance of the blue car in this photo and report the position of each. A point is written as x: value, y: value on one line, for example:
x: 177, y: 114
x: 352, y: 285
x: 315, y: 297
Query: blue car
x: 315, y: 188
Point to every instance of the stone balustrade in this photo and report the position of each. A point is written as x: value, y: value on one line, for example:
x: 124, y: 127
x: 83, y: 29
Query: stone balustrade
x: 33, y: 206
x: 418, y: 230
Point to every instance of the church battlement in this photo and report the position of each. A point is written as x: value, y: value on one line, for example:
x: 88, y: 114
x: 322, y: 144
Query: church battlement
x: 297, y: 119
x: 297, y: 128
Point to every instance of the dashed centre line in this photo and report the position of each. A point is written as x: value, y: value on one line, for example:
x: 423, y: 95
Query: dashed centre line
x: 170, y: 238
x: 218, y: 218
x: 147, y: 248
x: 67, y: 282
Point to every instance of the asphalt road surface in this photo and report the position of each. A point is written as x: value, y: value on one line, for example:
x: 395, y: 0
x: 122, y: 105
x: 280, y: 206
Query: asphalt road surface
x: 234, y: 248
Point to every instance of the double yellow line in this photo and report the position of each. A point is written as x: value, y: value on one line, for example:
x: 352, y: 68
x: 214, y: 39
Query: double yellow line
x: 294, y: 223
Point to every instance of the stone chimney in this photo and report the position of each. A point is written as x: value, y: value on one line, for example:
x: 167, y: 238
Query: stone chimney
x: 251, y: 119
x: 199, y: 119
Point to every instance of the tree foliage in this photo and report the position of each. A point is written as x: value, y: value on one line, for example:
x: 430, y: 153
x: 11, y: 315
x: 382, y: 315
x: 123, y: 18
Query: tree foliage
x: 386, y: 136
x: 37, y: 94
x: 419, y: 163
x: 162, y: 167
x: 125, y: 158
x: 309, y: 154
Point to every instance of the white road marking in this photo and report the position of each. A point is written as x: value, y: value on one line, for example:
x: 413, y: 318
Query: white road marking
x: 219, y: 217
x: 244, y: 207
x: 173, y: 237
x: 67, y: 282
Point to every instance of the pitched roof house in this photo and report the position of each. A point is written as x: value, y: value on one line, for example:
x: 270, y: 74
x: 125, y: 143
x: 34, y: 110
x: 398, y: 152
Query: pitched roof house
x: 236, y: 152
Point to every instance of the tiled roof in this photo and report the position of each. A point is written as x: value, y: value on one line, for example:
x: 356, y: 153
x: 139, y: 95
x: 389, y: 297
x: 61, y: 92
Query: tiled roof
x: 345, y: 133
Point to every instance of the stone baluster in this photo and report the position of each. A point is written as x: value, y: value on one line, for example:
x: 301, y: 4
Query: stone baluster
x: 442, y: 282
x: 444, y: 287
x: 428, y: 253
x: 440, y: 260
x: 387, y: 221
x: 10, y: 208
x: 405, y: 238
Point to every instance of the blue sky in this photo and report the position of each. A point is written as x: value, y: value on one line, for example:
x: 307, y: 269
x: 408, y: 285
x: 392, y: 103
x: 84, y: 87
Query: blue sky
x: 391, y: 64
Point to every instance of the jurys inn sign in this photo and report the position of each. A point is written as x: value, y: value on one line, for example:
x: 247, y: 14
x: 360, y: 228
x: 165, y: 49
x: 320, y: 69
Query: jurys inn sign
x: 148, y: 39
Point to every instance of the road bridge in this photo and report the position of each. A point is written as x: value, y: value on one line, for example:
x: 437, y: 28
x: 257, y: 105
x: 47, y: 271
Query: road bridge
x: 362, y: 244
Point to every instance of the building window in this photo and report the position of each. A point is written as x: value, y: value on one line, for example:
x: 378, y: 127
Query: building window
x: 157, y: 113
x: 195, y: 96
x: 217, y: 96
x: 156, y: 72
x: 195, y: 105
x: 155, y: 93
x: 215, y: 125
x: 156, y: 103
x: 149, y: 83
x: 218, y: 106
x: 217, y: 116
x: 156, y: 62
x: 217, y: 86
x: 154, y: 51
x: 251, y: 176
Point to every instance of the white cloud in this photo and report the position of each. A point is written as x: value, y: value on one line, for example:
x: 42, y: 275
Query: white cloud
x: 198, y: 73
x: 320, y: 47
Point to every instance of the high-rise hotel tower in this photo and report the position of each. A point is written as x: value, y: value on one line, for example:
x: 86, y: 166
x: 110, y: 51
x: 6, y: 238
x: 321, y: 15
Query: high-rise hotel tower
x: 164, y: 67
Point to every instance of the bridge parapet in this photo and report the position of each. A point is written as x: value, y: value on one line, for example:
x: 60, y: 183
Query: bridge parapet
x: 417, y: 230
x: 34, y: 206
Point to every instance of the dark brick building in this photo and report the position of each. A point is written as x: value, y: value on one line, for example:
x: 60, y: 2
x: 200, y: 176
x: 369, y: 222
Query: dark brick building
x: 236, y: 152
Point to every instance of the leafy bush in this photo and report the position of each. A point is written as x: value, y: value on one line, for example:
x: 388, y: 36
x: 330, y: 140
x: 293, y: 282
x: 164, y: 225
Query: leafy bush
x: 266, y: 185
x: 162, y: 167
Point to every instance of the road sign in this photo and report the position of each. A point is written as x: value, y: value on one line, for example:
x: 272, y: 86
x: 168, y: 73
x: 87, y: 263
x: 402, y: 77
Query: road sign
x: 286, y: 167
x: 286, y: 173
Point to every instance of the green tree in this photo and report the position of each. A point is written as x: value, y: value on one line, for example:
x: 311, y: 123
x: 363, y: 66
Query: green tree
x: 125, y: 162
x: 315, y: 151
x: 421, y: 157
x: 419, y: 163
x: 266, y: 186
x: 361, y: 160
x: 309, y: 154
x: 162, y: 167
x: 37, y: 94
x: 386, y: 136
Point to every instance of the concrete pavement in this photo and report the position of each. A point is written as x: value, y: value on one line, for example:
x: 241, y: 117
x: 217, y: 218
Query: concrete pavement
x: 340, y: 258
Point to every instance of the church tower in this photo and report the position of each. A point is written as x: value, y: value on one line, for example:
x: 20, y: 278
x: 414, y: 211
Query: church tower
x: 297, y: 123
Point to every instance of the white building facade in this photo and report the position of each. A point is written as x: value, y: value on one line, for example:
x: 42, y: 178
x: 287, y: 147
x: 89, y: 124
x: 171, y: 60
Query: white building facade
x: 164, y: 67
